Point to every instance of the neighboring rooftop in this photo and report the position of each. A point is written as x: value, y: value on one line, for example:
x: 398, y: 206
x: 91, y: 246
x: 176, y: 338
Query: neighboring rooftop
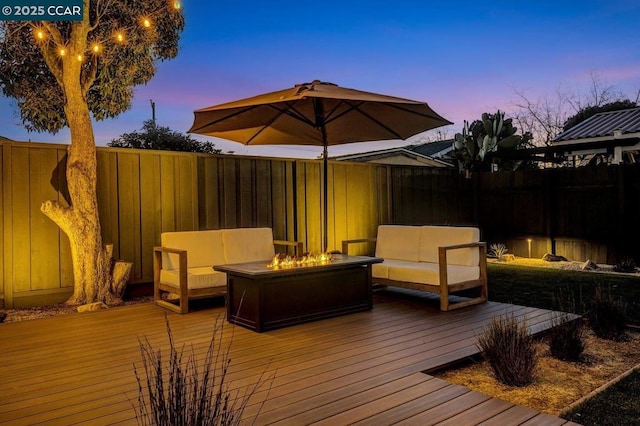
x: 604, y: 126
x: 431, y: 154
x: 432, y: 149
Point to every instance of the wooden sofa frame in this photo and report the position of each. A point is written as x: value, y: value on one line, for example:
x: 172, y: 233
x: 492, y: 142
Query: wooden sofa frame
x: 444, y: 289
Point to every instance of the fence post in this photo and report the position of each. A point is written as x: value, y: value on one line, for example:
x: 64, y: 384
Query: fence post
x: 621, y: 242
x: 475, y: 188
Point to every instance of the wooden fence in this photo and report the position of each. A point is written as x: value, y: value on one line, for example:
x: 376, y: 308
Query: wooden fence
x: 580, y: 213
x: 144, y: 193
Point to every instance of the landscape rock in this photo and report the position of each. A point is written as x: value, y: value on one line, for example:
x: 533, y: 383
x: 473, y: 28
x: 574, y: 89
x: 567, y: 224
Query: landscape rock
x: 554, y: 258
x: 508, y: 257
x: 92, y: 307
x: 589, y: 265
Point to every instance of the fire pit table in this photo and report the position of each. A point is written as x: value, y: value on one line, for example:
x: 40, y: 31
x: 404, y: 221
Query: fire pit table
x: 263, y: 298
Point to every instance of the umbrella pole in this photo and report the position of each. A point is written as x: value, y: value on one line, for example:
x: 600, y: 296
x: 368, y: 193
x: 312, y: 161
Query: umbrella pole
x: 326, y: 199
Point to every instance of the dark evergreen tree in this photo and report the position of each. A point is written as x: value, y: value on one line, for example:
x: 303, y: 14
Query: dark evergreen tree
x: 162, y: 138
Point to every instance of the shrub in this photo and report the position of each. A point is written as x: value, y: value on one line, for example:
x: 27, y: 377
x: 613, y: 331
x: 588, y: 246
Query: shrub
x: 498, y: 250
x: 509, y: 349
x: 607, y: 316
x: 566, y: 338
x: 193, y: 395
x: 625, y: 265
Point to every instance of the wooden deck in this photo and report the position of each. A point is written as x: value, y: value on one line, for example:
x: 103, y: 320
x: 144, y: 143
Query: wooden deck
x: 364, y: 368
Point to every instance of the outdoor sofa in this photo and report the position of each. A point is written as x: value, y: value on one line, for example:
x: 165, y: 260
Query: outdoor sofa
x: 183, y: 264
x: 437, y: 259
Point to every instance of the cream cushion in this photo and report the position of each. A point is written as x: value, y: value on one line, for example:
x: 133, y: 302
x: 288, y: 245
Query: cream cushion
x: 203, y: 277
x: 398, y: 242
x: 247, y: 245
x: 432, y: 237
x: 204, y: 248
x: 429, y: 273
x: 423, y: 272
x: 381, y: 270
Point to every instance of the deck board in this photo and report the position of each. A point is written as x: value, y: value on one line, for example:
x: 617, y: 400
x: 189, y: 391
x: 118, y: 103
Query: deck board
x: 362, y: 368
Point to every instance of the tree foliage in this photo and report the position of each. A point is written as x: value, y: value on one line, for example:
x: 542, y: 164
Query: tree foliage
x: 590, y: 111
x: 61, y: 73
x: 163, y: 138
x: 116, y: 54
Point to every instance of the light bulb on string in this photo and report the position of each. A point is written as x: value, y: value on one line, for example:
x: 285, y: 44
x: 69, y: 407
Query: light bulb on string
x: 146, y: 23
x: 62, y: 51
x: 79, y: 57
x: 177, y: 5
x: 119, y: 37
x: 40, y: 35
x: 96, y: 48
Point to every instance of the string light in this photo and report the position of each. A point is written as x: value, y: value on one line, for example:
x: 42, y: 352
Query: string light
x: 120, y: 37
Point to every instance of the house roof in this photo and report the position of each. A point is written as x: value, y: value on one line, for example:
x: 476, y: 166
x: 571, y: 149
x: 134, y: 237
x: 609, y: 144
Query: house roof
x: 402, y: 155
x: 432, y: 148
x: 621, y: 124
x: 394, y: 156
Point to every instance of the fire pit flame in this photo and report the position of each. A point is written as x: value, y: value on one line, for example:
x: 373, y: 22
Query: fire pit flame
x: 286, y: 261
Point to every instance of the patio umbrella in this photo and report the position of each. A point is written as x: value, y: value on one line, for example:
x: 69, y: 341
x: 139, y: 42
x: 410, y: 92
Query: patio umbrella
x: 316, y: 113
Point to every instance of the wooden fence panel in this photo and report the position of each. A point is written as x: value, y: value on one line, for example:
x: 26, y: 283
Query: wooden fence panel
x: 362, y: 216
x: 150, y: 211
x: 44, y: 240
x: 229, y: 190
x: 581, y: 212
x: 209, y: 192
x: 280, y: 186
x: 187, y: 192
x: 167, y: 193
x: 344, y: 208
x: 262, y: 194
x: 309, y: 204
x: 246, y: 205
x: 129, y: 211
x: 422, y: 196
x: 107, y: 190
x: 21, y: 233
x: 5, y: 197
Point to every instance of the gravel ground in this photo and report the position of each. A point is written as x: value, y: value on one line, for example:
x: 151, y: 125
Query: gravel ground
x: 24, y: 314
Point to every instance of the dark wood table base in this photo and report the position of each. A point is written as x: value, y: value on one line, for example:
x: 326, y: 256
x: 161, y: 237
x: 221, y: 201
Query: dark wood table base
x: 262, y: 299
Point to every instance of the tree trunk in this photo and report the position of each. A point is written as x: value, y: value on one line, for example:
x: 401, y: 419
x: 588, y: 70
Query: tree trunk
x: 93, y: 267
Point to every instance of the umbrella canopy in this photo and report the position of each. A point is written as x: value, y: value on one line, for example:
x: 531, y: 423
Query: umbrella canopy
x: 317, y: 113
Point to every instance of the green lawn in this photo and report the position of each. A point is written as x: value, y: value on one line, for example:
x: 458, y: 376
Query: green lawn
x: 619, y: 405
x: 530, y: 286
x: 536, y: 287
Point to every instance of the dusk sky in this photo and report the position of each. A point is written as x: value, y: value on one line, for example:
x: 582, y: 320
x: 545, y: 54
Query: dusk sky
x: 461, y: 57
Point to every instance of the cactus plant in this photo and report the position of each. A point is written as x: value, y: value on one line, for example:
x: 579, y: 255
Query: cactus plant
x: 489, y: 134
